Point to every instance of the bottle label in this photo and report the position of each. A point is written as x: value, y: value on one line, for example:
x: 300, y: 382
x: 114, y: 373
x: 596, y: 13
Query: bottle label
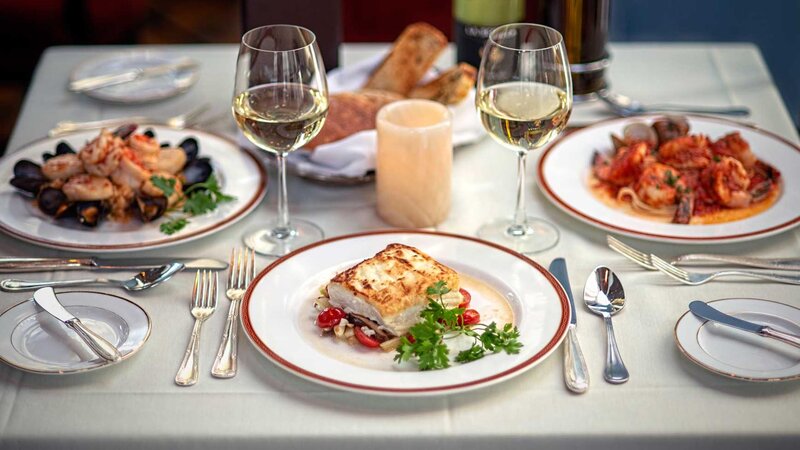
x: 469, y: 41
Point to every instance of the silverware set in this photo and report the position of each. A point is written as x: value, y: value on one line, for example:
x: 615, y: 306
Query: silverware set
x: 671, y: 269
x: 242, y: 270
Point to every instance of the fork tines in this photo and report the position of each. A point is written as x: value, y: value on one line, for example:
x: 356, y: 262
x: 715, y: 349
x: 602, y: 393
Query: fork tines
x: 641, y: 258
x: 669, y: 269
x: 242, y: 268
x: 204, y: 291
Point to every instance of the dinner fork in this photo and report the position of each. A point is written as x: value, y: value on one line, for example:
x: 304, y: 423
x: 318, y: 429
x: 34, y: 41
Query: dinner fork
x: 178, y: 122
x: 643, y: 259
x: 695, y: 278
x: 241, y: 271
x: 204, y: 301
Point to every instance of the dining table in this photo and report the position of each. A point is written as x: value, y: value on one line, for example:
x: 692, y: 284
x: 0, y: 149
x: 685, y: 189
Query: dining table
x: 669, y: 402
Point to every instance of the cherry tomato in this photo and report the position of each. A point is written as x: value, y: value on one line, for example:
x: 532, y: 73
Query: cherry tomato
x: 410, y: 338
x: 467, y: 298
x: 330, y: 317
x: 365, y: 340
x: 470, y: 317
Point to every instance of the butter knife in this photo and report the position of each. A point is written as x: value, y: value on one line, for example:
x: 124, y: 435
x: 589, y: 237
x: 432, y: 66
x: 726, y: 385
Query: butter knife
x: 46, y: 298
x: 576, y: 376
x: 101, y: 81
x: 19, y: 265
x: 705, y: 311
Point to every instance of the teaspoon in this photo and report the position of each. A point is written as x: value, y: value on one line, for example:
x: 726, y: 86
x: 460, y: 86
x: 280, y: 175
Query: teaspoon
x: 603, y: 295
x: 139, y: 282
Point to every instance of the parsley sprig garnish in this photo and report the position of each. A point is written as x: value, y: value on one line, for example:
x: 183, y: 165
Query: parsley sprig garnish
x: 197, y: 200
x: 439, y: 323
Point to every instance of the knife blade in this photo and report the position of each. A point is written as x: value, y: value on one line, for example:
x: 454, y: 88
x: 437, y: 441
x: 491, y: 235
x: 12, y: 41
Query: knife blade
x: 18, y: 265
x: 101, y: 81
x: 576, y: 375
x: 707, y: 312
x: 46, y: 298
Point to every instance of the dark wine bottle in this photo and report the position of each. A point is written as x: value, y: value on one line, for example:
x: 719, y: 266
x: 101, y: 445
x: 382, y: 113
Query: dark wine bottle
x: 475, y: 19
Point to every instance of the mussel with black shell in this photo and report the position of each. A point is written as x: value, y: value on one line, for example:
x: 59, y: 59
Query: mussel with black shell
x: 149, y: 208
x: 89, y: 212
x: 190, y: 147
x: 54, y: 202
x: 196, y: 171
x: 28, y: 176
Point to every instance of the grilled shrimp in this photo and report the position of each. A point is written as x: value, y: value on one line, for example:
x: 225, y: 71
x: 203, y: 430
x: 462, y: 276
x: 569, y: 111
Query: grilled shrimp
x: 734, y: 146
x: 130, y: 173
x: 62, y: 167
x: 171, y: 160
x: 625, y: 167
x: 657, y: 184
x: 146, y: 150
x: 85, y: 187
x: 729, y: 181
x: 101, y: 156
x: 686, y: 152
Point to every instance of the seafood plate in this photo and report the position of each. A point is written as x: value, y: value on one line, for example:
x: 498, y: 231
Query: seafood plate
x: 112, y: 176
x: 63, y: 202
x: 662, y: 172
x: 691, y: 179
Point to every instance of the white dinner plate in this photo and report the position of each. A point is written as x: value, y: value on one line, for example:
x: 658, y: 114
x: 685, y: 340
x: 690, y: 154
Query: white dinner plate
x: 38, y: 342
x: 565, y: 166
x: 736, y: 353
x: 278, y: 314
x: 138, y: 91
x: 240, y: 173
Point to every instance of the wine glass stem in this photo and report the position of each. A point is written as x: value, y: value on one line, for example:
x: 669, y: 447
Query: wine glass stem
x: 518, y: 228
x: 283, y: 230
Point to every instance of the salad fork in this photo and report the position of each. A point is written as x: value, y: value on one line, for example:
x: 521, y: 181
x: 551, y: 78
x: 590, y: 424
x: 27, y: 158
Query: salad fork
x: 241, y: 271
x: 695, y: 278
x: 204, y: 302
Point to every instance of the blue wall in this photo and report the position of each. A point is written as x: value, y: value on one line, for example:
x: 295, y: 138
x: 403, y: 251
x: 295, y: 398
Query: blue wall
x: 773, y: 25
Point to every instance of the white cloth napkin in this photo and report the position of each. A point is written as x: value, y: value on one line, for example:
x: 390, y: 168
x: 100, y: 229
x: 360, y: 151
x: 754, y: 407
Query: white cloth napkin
x: 354, y: 156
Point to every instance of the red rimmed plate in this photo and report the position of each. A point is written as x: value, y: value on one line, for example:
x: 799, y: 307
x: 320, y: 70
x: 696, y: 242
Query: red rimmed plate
x: 278, y: 315
x: 240, y: 173
x: 564, y: 169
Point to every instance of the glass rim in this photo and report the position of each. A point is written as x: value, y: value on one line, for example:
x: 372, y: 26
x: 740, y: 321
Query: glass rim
x: 279, y: 25
x: 531, y: 25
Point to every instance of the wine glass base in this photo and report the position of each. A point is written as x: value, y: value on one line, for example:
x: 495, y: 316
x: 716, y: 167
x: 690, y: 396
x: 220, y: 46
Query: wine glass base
x: 277, y: 241
x: 535, y: 236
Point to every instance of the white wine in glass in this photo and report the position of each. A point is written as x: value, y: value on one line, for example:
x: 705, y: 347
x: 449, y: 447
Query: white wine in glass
x: 524, y: 98
x: 280, y: 103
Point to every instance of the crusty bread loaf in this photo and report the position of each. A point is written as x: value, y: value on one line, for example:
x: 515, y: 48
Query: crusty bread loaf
x: 413, y: 53
x: 351, y: 112
x: 450, y: 87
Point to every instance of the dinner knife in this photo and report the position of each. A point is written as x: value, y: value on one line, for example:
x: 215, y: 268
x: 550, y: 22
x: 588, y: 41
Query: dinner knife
x: 101, y: 81
x: 46, y: 298
x: 576, y: 376
x: 19, y: 265
x: 705, y: 311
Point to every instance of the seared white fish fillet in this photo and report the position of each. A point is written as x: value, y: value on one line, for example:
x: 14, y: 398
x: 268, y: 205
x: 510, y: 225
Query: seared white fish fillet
x: 389, y: 288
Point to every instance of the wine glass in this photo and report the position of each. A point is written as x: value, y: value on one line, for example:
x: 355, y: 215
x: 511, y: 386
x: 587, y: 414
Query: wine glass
x: 524, y: 96
x: 280, y: 101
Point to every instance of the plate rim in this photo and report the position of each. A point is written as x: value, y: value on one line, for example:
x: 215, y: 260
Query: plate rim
x: 720, y: 372
x: 548, y: 349
x: 87, y: 369
x: 546, y: 189
x: 243, y: 212
x: 97, y: 93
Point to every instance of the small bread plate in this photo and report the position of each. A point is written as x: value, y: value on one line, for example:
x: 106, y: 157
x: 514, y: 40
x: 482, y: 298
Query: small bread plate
x: 506, y: 287
x: 238, y: 171
x: 739, y: 354
x: 40, y: 343
x: 564, y: 172
x: 137, y: 91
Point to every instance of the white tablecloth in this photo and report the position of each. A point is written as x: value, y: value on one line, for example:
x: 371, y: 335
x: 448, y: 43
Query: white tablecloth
x: 668, y: 402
